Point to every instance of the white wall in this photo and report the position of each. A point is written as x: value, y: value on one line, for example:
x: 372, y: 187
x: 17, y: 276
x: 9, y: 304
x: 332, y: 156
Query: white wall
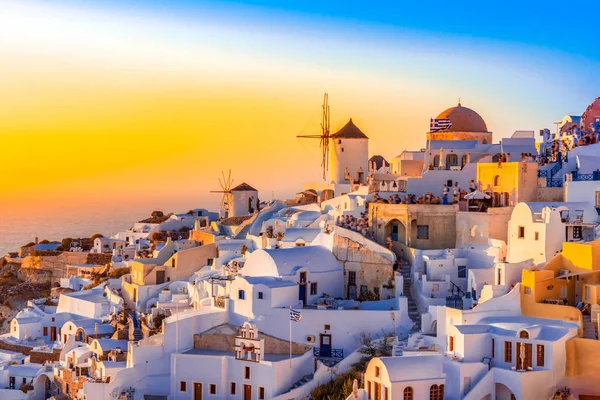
x: 355, y: 155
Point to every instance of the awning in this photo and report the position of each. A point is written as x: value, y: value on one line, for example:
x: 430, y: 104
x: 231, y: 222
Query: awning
x: 477, y: 195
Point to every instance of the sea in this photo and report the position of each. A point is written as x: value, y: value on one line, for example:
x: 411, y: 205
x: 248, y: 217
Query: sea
x: 18, y: 229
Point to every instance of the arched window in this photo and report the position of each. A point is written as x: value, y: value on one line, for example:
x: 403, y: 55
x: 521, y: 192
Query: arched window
x: 434, y: 392
x: 497, y: 180
x: 524, y: 335
x: 408, y: 393
x: 436, y: 161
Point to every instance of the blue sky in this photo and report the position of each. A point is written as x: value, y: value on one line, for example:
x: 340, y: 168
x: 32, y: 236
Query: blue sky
x: 557, y: 25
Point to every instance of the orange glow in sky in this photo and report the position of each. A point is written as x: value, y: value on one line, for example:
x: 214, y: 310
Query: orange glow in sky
x: 97, y: 107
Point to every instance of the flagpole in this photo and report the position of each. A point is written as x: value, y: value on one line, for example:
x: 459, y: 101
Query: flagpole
x: 290, y: 336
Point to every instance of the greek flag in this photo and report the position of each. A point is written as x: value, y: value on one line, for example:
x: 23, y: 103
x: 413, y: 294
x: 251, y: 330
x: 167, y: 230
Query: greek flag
x: 439, y: 124
x: 295, y: 316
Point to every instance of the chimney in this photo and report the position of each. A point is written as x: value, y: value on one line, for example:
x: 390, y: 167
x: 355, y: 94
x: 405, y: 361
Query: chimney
x: 36, y: 240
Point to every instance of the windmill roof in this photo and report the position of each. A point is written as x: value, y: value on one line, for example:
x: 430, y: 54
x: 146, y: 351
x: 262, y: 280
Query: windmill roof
x: 349, y: 131
x: 242, y: 187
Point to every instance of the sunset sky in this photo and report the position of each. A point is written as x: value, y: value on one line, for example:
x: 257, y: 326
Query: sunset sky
x: 145, y: 102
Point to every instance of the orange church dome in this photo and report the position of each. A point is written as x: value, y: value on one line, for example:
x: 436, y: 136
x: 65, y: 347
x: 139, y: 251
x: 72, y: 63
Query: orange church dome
x: 463, y: 120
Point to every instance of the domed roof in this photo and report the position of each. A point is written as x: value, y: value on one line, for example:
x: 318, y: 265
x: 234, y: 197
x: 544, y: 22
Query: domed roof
x: 463, y: 120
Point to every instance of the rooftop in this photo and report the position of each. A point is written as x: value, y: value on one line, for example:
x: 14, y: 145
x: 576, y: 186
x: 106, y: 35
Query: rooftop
x: 222, y: 353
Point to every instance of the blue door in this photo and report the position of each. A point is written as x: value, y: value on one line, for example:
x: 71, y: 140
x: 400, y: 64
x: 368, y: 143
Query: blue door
x: 325, y: 346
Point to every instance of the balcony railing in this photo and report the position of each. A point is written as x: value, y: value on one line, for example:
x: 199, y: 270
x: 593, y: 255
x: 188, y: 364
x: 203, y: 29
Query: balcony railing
x: 320, y: 352
x: 594, y: 176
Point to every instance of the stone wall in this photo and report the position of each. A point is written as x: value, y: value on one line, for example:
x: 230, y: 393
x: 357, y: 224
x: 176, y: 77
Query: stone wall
x: 550, y: 194
x: 372, y: 269
x: 98, y: 259
x: 41, y: 269
x: 39, y: 357
x: 223, y: 338
x: 68, y: 379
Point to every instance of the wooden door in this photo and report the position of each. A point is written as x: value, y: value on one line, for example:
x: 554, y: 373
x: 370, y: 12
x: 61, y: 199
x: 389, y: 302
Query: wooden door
x: 247, y: 392
x: 377, y: 391
x: 527, y: 362
x: 160, y: 277
x: 325, y: 345
x: 52, y: 333
x: 197, y: 391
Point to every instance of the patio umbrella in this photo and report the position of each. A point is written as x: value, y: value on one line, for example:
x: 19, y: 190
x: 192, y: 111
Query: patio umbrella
x: 477, y: 195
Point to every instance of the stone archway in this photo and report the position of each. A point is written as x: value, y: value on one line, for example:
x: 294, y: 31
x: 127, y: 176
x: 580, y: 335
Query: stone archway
x: 42, y: 385
x: 503, y: 392
x: 397, y: 231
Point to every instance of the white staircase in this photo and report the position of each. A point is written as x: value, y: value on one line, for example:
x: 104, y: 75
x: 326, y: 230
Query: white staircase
x: 398, y: 349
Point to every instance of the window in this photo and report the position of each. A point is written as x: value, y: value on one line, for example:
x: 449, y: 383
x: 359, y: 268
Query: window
x: 450, y: 343
x: 352, y: 277
x: 302, y: 277
x: 173, y: 262
x: 232, y: 388
x: 261, y: 393
x: 527, y: 289
x: 507, y: 352
x: 212, y: 389
x: 376, y: 290
x: 183, y: 386
x: 52, y: 319
x: 260, y: 295
x: 45, y: 331
x: 377, y: 372
x: 540, y: 355
x: 313, y: 288
x: 246, y: 372
x: 436, y: 392
x: 241, y: 294
x: 342, y: 149
x: 436, y: 161
x: 24, y: 381
x: 408, y: 393
x: 521, y: 232
x: 588, y: 293
x: 327, y: 327
x: 451, y: 160
x: 524, y: 335
x: 462, y: 271
x: 210, y: 261
x: 597, y: 198
x: 577, y: 232
x: 422, y: 231
x: 493, y: 348
x: 363, y: 289
x: 537, y: 236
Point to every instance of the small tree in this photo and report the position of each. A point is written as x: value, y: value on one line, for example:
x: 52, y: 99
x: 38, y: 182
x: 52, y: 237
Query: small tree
x: 45, y: 241
x: 244, y: 249
x: 157, y: 214
x: 96, y: 236
x: 157, y: 322
x: 66, y: 243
